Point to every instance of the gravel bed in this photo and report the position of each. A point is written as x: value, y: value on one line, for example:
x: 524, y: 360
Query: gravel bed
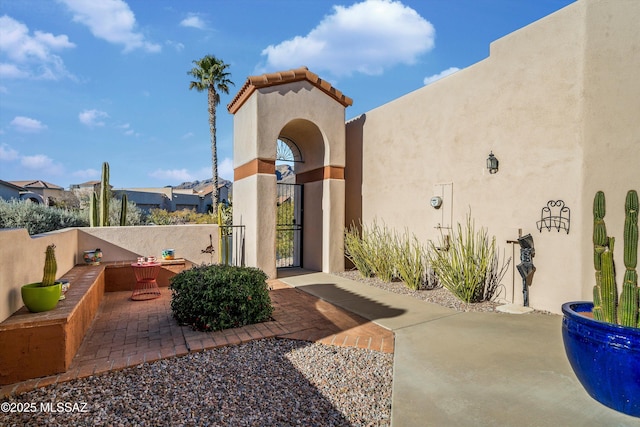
x: 261, y: 383
x: 440, y: 296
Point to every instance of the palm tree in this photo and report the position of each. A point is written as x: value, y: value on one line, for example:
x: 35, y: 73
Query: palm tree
x: 210, y: 75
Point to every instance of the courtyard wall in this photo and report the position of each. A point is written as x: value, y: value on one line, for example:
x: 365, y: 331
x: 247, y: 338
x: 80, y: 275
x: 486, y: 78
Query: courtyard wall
x: 557, y: 102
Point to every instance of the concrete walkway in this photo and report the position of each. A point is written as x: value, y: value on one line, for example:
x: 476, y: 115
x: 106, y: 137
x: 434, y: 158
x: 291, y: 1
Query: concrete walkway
x: 469, y: 369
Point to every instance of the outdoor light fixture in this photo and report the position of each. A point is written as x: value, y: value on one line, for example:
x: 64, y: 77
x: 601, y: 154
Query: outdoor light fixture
x: 492, y: 163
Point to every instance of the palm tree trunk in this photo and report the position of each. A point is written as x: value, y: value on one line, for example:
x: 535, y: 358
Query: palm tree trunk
x: 214, y: 146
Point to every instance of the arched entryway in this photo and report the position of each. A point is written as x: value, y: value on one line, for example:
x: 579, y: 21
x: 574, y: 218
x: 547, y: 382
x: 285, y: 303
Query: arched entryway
x: 299, y: 200
x: 307, y: 114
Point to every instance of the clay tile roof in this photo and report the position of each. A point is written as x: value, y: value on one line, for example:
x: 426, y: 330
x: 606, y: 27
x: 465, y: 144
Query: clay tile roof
x: 281, y: 77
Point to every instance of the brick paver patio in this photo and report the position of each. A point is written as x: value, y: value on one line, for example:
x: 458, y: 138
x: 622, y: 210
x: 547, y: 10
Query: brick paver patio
x: 127, y: 333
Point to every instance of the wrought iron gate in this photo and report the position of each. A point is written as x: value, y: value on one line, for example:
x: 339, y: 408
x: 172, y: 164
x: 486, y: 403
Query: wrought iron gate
x: 289, y: 225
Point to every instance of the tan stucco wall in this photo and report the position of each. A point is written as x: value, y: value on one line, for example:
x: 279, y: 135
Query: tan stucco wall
x: 128, y: 243
x: 546, y: 102
x: 23, y: 262
x: 611, y: 144
x: 254, y: 207
x: 24, y: 254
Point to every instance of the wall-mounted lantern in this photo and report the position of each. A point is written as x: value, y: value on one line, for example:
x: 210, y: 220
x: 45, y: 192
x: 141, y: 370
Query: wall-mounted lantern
x: 492, y: 163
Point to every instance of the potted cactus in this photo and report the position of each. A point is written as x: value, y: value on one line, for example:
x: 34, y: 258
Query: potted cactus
x: 44, y: 296
x: 602, y: 339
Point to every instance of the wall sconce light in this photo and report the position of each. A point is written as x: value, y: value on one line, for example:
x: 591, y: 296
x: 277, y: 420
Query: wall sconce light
x: 492, y: 163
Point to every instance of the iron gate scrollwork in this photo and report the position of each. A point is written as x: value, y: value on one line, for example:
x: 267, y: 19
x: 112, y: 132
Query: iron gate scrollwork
x: 289, y: 225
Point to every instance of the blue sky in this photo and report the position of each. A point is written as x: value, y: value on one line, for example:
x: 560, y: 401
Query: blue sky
x: 87, y: 81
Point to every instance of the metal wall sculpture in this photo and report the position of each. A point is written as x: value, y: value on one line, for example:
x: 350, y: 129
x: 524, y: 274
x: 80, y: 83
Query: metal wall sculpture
x: 526, y: 267
x: 555, y: 216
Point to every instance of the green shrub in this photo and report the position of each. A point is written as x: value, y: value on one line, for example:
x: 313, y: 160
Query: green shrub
x: 470, y: 267
x: 184, y: 216
x: 134, y: 214
x: 216, y: 297
x: 37, y: 218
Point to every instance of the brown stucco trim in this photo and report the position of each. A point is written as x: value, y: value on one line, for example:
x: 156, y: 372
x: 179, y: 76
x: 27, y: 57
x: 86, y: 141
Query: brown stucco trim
x: 282, y: 77
x: 253, y: 167
x: 326, y: 172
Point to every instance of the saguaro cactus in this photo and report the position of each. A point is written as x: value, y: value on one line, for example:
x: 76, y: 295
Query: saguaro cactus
x: 50, y: 267
x: 123, y: 210
x: 99, y: 207
x: 605, y: 292
x: 104, y: 196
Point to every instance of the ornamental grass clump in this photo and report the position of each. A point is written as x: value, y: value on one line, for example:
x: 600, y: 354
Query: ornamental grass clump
x: 380, y: 245
x: 356, y: 251
x: 606, y: 306
x: 471, y: 267
x: 216, y: 297
x: 410, y: 260
x: 371, y: 250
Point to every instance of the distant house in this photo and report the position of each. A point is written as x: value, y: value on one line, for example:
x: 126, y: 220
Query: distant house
x: 36, y: 191
x: 86, y: 188
x: 168, y: 198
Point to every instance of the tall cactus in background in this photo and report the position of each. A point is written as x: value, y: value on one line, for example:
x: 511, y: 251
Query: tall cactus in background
x: 50, y: 267
x: 605, y: 292
x: 123, y: 210
x: 104, y: 196
x: 628, y: 308
x: 99, y: 207
x: 93, y: 210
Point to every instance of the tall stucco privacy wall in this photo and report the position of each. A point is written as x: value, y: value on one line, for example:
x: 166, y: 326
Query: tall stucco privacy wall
x: 557, y: 102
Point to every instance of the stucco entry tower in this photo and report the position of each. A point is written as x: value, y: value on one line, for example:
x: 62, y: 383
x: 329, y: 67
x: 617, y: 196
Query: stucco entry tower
x: 297, y: 106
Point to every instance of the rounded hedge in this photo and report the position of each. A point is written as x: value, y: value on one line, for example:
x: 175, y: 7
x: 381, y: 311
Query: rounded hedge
x: 216, y: 297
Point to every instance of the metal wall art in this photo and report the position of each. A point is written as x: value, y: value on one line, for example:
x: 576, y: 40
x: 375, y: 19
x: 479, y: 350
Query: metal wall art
x: 555, y: 216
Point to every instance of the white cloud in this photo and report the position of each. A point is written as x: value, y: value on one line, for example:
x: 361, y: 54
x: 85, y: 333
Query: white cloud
x: 225, y: 169
x: 11, y: 71
x: 193, y: 21
x: 366, y: 37
x: 87, y: 174
x: 112, y: 21
x: 92, y: 118
x: 127, y: 130
x: 188, y: 135
x: 179, y: 47
x: 7, y: 153
x: 27, y: 124
x: 42, y: 163
x: 174, y: 175
x: 445, y: 73
x: 31, y: 55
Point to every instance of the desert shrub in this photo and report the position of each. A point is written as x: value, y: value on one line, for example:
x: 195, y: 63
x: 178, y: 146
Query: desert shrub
x: 410, y: 260
x: 380, y: 245
x: 355, y: 250
x: 216, y: 297
x: 37, y: 218
x: 184, y: 216
x: 134, y: 213
x: 470, y: 267
x: 382, y: 252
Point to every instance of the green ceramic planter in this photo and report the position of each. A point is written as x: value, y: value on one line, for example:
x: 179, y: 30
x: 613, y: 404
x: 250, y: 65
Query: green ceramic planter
x: 38, y: 298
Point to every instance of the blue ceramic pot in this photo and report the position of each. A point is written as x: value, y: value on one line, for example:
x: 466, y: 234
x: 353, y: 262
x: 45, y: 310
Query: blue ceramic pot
x: 605, y: 358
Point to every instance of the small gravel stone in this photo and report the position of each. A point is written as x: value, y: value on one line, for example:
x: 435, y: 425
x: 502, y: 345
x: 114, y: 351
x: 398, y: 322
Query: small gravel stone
x: 261, y: 383
x: 440, y: 295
